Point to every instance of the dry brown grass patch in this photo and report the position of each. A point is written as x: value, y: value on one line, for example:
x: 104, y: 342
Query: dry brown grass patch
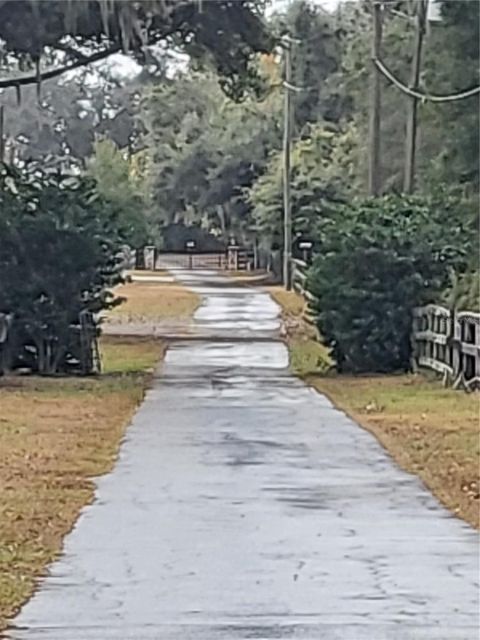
x: 55, y: 435
x: 429, y: 430
x: 291, y: 302
x: 250, y: 277
x: 154, y: 301
x: 307, y: 354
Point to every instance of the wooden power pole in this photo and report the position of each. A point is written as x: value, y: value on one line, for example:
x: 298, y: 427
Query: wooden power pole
x: 411, y: 139
x: 2, y: 133
x: 374, y: 177
x: 287, y: 147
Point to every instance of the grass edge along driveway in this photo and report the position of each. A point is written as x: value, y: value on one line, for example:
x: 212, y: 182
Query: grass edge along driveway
x: 56, y: 435
x: 428, y: 430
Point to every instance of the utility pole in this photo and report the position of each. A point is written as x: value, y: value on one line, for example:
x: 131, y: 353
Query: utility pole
x: 411, y: 139
x: 287, y: 147
x: 374, y: 177
x: 2, y: 133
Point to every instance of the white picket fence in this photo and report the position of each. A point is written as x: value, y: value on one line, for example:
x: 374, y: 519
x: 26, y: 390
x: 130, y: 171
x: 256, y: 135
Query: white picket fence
x: 449, y: 343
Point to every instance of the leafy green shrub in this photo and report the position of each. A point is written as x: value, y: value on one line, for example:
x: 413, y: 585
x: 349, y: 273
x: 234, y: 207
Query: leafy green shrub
x: 58, y: 256
x: 379, y: 259
x: 322, y: 177
x: 463, y: 291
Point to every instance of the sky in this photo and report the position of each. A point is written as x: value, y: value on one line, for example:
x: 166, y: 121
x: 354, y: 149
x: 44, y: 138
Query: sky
x: 330, y: 5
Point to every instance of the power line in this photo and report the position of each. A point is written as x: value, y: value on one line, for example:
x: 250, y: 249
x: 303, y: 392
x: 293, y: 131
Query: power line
x: 462, y: 95
x: 294, y: 88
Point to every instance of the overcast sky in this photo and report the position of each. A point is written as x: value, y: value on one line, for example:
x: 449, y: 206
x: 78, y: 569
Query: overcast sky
x: 328, y: 4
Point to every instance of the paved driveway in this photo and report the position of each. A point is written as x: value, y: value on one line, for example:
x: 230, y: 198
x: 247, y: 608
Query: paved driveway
x: 244, y: 505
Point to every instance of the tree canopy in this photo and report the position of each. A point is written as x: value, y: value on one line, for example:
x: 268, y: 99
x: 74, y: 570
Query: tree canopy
x: 225, y: 33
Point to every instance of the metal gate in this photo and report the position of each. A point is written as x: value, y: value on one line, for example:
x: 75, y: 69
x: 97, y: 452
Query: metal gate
x: 193, y: 260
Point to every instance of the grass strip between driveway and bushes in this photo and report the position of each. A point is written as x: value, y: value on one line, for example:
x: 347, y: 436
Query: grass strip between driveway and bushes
x: 56, y: 434
x: 154, y: 302
x: 429, y: 430
x: 307, y: 354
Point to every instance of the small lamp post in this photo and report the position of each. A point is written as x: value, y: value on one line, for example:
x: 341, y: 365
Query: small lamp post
x: 190, y: 246
x: 306, y: 247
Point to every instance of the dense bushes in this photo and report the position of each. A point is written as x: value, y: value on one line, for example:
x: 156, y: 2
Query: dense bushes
x: 377, y: 260
x: 58, y: 247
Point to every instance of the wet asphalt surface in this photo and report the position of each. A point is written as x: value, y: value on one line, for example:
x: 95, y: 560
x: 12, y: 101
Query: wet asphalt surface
x: 244, y: 505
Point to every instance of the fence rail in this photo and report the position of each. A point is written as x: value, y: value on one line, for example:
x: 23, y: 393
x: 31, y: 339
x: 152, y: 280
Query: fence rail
x: 448, y: 342
x: 299, y: 278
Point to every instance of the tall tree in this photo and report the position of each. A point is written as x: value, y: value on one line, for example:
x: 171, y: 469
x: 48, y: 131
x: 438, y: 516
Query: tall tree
x: 117, y: 184
x: 316, y: 55
x: 206, y: 150
x: 60, y: 128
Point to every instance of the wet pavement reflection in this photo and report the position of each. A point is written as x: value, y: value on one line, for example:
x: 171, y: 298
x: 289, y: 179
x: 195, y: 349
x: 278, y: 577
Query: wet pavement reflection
x: 244, y: 505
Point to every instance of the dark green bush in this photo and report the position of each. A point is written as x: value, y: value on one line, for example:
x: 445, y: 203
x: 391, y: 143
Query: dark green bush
x: 58, y: 257
x: 378, y: 259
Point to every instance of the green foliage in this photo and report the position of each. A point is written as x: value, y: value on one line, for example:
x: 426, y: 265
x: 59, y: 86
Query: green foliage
x: 61, y: 128
x: 206, y: 150
x: 450, y: 132
x: 322, y: 175
x: 215, y: 164
x: 379, y: 259
x: 116, y: 184
x: 58, y: 248
x: 316, y: 56
x: 463, y: 291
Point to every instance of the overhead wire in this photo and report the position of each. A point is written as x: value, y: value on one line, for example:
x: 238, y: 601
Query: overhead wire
x: 462, y: 95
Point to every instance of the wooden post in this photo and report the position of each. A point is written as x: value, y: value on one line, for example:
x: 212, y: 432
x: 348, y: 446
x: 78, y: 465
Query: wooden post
x: 374, y: 179
x: 287, y: 145
x: 414, y: 344
x: 2, y: 133
x: 456, y: 345
x: 149, y: 257
x: 477, y: 354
